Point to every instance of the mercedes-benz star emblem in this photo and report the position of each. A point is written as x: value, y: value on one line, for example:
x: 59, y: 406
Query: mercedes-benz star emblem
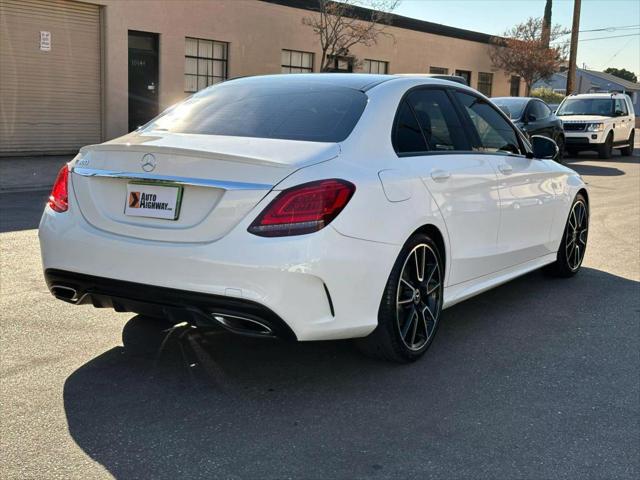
x: 148, y: 162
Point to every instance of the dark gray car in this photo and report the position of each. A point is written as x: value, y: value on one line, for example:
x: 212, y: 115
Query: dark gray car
x: 533, y: 117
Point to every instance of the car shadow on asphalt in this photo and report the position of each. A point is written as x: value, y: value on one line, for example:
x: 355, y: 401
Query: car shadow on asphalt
x: 21, y: 210
x: 521, y: 381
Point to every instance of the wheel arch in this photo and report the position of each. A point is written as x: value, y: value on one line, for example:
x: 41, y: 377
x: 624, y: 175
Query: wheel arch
x: 437, y: 236
x: 584, y: 193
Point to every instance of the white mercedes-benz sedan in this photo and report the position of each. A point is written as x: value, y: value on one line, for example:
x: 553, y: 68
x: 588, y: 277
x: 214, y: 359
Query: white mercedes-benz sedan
x: 313, y: 207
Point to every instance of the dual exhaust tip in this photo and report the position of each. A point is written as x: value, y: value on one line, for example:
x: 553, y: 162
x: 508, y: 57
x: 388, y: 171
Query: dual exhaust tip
x: 243, y: 325
x: 233, y: 323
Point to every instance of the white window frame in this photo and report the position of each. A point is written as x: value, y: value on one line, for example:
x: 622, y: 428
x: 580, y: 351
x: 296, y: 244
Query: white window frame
x: 373, y: 66
x: 298, y: 61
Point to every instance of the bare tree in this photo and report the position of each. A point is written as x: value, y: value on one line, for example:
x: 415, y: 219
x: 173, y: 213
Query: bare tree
x: 522, y: 51
x: 342, y: 24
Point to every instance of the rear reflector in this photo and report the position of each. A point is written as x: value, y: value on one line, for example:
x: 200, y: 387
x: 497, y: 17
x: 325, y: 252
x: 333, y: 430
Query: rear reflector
x: 303, y: 209
x: 59, y: 198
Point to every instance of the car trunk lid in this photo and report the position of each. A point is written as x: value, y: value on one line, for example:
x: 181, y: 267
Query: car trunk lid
x: 219, y: 179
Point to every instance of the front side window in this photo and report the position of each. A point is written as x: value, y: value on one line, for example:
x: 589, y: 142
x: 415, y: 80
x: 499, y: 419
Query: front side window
x: 621, y: 106
x: 495, y: 134
x: 539, y: 110
x: 267, y: 108
x: 294, y: 61
x: 375, y: 66
x: 587, y: 106
x: 485, y: 83
x: 205, y: 63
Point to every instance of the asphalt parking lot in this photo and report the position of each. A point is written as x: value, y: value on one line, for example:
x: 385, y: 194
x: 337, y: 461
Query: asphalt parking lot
x: 536, y: 379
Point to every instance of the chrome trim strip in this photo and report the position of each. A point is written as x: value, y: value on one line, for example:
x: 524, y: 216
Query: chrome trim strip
x: 197, y: 182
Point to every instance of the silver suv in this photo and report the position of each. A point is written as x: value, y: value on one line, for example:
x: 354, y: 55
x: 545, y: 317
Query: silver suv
x: 598, y: 121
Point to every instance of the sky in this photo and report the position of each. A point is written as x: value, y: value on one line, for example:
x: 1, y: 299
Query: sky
x: 496, y: 16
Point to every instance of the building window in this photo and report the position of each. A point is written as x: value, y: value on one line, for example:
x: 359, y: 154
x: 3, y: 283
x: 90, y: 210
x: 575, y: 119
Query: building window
x: 294, y: 61
x: 205, y: 63
x: 340, y: 64
x: 466, y: 74
x: 439, y: 70
x: 375, y: 66
x: 485, y: 81
x: 515, y: 86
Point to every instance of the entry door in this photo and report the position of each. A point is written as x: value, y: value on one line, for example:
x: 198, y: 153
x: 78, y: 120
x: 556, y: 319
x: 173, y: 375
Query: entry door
x: 433, y: 146
x: 623, y: 123
x: 526, y: 187
x: 143, y: 78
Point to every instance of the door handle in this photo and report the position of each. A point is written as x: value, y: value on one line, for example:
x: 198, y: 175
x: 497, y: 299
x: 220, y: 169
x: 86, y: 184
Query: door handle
x: 440, y: 175
x: 505, y: 168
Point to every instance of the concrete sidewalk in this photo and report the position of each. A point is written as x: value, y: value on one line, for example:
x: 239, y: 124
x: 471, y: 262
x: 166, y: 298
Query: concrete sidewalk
x: 25, y: 174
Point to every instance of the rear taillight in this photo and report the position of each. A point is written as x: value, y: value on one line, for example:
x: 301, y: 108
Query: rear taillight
x: 303, y: 209
x: 59, y: 198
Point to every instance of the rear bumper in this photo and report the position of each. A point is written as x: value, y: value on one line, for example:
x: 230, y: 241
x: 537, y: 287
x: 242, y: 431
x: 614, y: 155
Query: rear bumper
x: 321, y: 286
x: 176, y: 305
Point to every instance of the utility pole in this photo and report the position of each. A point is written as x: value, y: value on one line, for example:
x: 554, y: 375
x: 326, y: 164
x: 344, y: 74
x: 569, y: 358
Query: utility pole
x: 546, y: 24
x: 573, y: 52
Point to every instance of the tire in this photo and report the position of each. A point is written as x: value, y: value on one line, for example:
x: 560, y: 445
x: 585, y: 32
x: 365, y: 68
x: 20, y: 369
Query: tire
x: 410, y: 309
x: 628, y: 150
x: 574, y: 240
x: 605, y: 149
x: 143, y: 336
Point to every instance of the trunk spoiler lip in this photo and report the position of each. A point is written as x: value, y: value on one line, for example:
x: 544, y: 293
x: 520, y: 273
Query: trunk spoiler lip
x: 329, y: 152
x: 198, y: 182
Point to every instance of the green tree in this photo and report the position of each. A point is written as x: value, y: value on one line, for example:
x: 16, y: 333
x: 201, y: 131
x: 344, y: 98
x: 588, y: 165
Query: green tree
x: 622, y: 73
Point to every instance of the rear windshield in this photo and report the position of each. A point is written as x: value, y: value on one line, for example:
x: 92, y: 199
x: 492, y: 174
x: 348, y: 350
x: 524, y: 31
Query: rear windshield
x: 264, y: 108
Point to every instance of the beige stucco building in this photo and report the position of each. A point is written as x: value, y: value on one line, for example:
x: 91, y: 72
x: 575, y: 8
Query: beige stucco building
x: 73, y: 73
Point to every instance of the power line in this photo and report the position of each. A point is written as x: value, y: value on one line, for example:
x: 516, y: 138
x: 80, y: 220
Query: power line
x: 599, y: 38
x: 611, y: 29
x: 606, y: 38
x: 616, y: 54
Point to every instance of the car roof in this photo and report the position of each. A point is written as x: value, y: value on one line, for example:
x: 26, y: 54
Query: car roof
x: 514, y: 98
x: 598, y: 95
x: 357, y: 81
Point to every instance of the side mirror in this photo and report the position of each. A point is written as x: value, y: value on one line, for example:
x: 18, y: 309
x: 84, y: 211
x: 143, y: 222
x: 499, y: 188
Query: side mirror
x: 531, y: 118
x: 544, y: 148
x: 619, y: 113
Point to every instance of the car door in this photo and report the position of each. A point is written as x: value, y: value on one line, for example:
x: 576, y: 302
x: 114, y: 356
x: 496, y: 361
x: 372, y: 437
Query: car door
x: 622, y: 126
x: 431, y: 142
x: 527, y: 188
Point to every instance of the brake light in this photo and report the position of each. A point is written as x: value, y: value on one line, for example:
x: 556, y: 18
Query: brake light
x: 303, y: 209
x: 59, y: 198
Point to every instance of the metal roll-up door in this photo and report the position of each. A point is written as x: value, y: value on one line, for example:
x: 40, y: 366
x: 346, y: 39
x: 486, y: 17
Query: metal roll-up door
x: 50, y: 95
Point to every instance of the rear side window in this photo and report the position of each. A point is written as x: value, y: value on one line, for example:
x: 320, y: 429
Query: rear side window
x: 407, y: 137
x: 438, y: 120
x: 427, y: 121
x: 264, y: 109
x: 495, y: 134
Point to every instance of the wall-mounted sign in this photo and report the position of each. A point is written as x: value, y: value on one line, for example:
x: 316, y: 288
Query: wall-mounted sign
x: 45, y: 41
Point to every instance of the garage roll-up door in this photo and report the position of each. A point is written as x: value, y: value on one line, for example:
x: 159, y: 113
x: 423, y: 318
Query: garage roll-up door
x: 50, y: 95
